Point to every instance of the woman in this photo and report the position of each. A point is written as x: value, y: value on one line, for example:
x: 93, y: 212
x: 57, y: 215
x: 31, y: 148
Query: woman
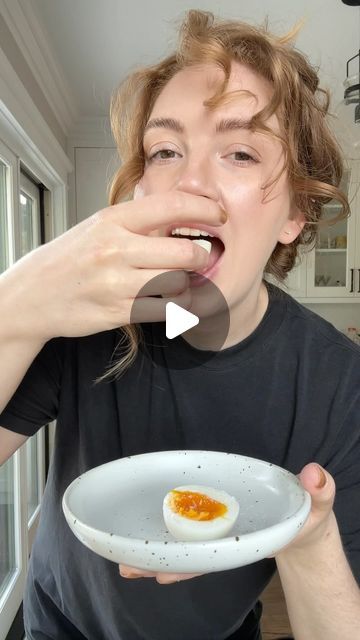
x: 227, y: 135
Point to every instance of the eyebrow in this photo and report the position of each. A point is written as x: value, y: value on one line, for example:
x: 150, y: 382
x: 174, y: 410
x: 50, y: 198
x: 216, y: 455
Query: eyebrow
x: 227, y: 124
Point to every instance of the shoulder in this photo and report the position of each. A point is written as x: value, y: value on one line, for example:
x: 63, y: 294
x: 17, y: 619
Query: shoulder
x: 314, y: 337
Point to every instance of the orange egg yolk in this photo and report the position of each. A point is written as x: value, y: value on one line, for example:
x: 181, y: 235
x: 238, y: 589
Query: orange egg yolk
x: 196, y: 506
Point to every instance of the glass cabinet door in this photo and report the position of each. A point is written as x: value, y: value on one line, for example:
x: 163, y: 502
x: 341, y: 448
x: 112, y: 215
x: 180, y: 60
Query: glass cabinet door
x: 331, y: 265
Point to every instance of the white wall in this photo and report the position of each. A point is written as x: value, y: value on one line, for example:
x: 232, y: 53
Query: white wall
x: 25, y: 75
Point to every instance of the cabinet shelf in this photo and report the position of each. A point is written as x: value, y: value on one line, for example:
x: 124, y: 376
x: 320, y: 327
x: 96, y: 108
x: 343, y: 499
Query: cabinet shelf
x: 331, y: 250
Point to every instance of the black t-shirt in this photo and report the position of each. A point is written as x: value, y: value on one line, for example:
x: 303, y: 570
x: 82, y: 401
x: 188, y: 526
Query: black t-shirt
x: 289, y: 394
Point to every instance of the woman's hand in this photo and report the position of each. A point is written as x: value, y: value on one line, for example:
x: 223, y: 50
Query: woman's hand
x: 162, y: 578
x: 321, y: 486
x: 85, y: 281
x: 321, y: 592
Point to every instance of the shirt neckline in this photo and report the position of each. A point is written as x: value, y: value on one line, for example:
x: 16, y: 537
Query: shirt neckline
x: 179, y: 350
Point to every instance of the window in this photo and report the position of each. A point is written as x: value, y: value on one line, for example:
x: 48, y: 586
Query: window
x: 7, y: 506
x: 35, y: 150
x: 8, y: 563
x: 22, y: 477
x: 4, y: 249
x: 30, y: 224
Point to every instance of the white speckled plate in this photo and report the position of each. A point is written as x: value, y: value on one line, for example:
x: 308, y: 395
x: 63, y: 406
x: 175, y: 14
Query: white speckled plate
x: 116, y: 510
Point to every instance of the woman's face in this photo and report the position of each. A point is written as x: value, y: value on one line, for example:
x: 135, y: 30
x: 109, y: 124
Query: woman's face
x: 230, y: 166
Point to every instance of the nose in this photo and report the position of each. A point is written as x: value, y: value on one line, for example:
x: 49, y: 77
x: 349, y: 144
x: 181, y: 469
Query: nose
x: 196, y: 177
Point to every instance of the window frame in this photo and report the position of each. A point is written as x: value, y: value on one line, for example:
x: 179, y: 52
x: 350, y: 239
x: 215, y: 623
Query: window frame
x: 12, y: 596
x: 16, y: 152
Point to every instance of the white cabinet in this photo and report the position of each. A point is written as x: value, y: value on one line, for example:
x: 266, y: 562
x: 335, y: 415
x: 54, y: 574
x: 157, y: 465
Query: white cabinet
x: 331, y: 271
x: 295, y: 283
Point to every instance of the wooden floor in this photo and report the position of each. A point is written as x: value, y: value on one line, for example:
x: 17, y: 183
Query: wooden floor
x: 275, y: 620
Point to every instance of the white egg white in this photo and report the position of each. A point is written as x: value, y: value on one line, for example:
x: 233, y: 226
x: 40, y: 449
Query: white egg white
x: 186, y: 529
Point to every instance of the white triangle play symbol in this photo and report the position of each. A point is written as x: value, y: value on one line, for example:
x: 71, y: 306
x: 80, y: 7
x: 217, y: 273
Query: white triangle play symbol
x: 178, y: 320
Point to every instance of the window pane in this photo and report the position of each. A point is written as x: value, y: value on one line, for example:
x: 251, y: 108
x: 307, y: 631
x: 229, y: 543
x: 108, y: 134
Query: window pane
x: 29, y: 240
x: 7, y: 528
x: 26, y: 224
x: 32, y: 475
x: 4, y: 249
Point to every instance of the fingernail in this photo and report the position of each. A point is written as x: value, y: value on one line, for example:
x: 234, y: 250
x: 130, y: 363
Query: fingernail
x: 322, y: 478
x: 224, y: 216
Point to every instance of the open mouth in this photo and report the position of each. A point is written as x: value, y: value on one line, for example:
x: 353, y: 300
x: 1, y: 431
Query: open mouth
x: 204, y: 237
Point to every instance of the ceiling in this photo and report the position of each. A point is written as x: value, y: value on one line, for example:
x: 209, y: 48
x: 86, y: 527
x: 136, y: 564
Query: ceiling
x: 97, y: 42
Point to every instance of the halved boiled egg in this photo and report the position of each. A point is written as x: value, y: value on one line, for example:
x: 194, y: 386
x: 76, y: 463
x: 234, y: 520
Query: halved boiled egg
x: 195, y: 512
x: 211, y: 243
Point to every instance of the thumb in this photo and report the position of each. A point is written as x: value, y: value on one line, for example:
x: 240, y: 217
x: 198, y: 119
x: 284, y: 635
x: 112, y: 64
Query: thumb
x: 320, y: 484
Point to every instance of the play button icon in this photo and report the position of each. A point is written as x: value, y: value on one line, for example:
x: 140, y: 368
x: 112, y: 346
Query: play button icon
x: 178, y: 320
x: 183, y: 326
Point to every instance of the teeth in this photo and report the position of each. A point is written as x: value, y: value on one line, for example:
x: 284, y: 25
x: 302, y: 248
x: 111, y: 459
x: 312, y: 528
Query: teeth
x: 186, y: 231
x: 205, y: 244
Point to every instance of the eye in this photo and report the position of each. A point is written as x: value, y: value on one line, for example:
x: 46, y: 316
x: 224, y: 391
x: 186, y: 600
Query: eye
x: 162, y: 155
x: 242, y: 157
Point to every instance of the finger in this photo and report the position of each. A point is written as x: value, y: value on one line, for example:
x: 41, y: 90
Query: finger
x: 131, y: 572
x: 165, y: 253
x: 170, y: 207
x: 321, y: 486
x: 151, y: 282
x: 170, y: 578
x: 154, y: 309
x: 138, y: 191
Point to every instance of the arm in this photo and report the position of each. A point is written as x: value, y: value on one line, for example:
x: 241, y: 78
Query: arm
x: 17, y: 351
x: 9, y: 443
x: 86, y: 281
x: 322, y: 595
x: 16, y: 354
